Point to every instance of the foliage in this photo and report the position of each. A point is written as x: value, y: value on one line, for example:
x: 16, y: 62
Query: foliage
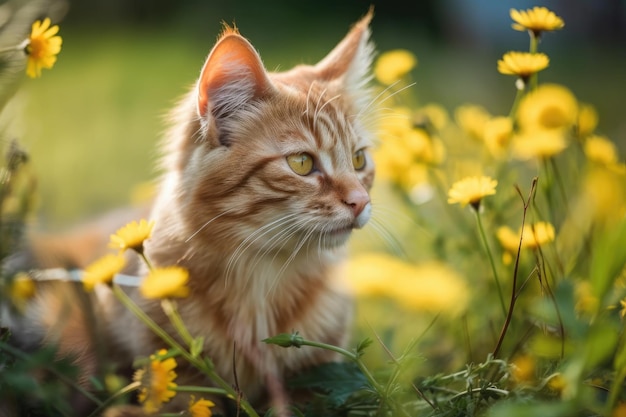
x: 526, y: 279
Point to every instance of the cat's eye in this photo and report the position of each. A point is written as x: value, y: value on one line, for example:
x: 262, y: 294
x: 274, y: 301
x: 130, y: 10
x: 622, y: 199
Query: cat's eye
x: 301, y: 163
x: 359, y: 160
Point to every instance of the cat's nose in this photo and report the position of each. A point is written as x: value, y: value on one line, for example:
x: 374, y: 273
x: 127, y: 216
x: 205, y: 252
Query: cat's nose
x: 357, y: 199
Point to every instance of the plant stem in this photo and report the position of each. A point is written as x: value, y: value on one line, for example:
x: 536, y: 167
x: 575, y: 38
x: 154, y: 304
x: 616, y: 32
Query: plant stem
x: 350, y: 355
x: 534, y: 46
x: 171, y: 311
x: 200, y: 364
x: 195, y: 388
x: 128, y: 388
x: 509, y: 315
x: 520, y: 86
x: 491, y: 261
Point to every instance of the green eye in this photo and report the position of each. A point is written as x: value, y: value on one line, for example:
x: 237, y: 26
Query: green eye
x: 358, y: 159
x: 301, y: 163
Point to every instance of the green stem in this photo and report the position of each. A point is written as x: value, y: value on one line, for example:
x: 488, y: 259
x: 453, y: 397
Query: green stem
x: 547, y: 189
x: 534, y: 46
x: 491, y: 261
x: 128, y: 388
x: 200, y: 364
x: 206, y: 390
x: 146, y: 260
x: 350, y: 355
x: 520, y: 87
x: 171, y: 311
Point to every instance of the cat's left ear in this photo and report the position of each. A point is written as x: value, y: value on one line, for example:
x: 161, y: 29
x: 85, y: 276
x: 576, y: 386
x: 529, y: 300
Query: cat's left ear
x: 351, y: 59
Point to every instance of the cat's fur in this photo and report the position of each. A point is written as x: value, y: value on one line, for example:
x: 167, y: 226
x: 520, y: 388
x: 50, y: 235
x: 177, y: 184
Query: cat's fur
x: 262, y: 244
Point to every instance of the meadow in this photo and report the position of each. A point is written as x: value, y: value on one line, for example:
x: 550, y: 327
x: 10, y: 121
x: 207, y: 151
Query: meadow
x: 504, y: 298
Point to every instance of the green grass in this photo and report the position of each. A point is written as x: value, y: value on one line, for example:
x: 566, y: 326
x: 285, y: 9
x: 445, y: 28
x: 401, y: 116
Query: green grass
x: 93, y: 123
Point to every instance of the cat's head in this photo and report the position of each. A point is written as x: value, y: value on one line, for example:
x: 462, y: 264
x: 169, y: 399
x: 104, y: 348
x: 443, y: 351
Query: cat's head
x: 276, y: 157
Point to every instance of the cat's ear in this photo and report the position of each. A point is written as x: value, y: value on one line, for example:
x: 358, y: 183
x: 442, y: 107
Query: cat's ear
x: 232, y: 75
x: 352, y: 58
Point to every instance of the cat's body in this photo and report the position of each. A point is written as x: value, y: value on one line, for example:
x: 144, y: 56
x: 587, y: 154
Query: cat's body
x: 260, y: 229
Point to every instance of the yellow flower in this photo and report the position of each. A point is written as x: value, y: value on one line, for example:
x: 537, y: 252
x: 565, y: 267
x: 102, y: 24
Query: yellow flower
x: 604, y: 195
x: 622, y: 312
x: 132, y: 236
x: 42, y: 47
x: 538, y: 144
x: 103, y: 270
x: 550, y: 106
x: 601, y: 150
x: 534, y: 235
x: 524, y: 368
x: 435, y: 114
x: 157, y: 382
x: 557, y: 383
x: 522, y: 64
x: 587, y: 120
x: 22, y: 289
x: 165, y: 282
x: 430, y: 286
x: 497, y: 135
x: 536, y: 20
x: 538, y: 234
x: 201, y: 407
x: 471, y: 190
x: 393, y: 65
x: 586, y: 302
x: 472, y: 119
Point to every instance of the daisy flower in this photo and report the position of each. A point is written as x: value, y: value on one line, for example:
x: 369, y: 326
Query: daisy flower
x: 393, y: 65
x: 601, y: 150
x: 522, y: 64
x: 536, y: 20
x: 103, y: 270
x: 538, y: 144
x: 132, y: 236
x: 157, y: 382
x: 201, y: 407
x: 165, y: 282
x: 42, y: 47
x: 471, y: 190
x: 550, y: 106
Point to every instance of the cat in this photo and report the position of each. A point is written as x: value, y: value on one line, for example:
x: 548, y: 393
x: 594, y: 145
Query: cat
x: 265, y: 176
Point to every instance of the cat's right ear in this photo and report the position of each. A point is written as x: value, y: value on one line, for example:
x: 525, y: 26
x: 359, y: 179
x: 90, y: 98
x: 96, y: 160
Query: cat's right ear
x: 232, y: 75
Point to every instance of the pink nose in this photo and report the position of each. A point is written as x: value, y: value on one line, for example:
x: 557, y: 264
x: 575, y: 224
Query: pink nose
x: 356, y: 199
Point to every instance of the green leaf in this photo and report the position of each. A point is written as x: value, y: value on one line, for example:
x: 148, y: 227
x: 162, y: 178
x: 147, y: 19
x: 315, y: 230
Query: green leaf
x: 197, y: 345
x: 363, y: 344
x: 285, y: 340
x: 608, y: 260
x: 338, y: 380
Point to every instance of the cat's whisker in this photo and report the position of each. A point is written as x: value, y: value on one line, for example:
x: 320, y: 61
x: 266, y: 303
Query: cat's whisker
x: 252, y: 239
x: 327, y: 102
x: 201, y: 228
x: 379, y: 95
x: 308, y: 97
x: 394, y: 244
x: 317, y: 105
x: 293, y: 255
x: 272, y: 243
x: 283, y: 237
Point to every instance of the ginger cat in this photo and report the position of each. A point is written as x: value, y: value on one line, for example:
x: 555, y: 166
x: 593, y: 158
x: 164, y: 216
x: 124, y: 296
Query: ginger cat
x: 266, y: 174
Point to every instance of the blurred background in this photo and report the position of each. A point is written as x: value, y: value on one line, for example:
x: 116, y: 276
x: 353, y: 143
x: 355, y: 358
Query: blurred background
x: 91, y: 125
